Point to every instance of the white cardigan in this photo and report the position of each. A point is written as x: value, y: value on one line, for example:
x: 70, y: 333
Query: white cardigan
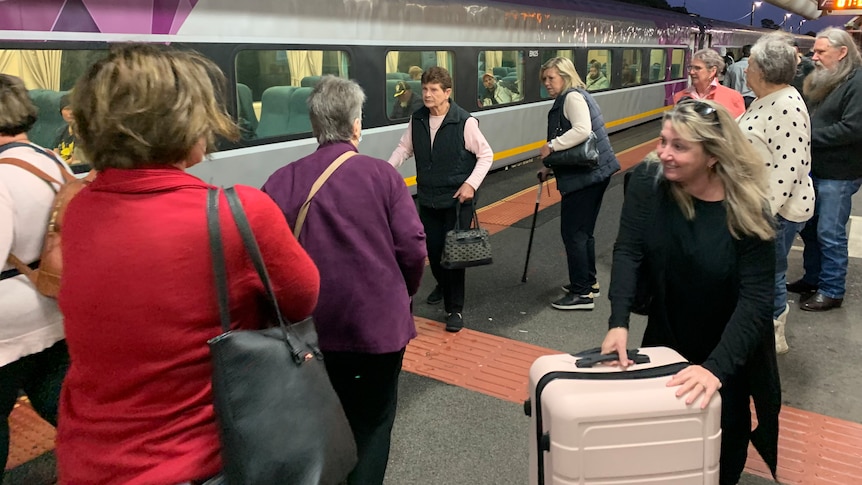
x: 29, y: 322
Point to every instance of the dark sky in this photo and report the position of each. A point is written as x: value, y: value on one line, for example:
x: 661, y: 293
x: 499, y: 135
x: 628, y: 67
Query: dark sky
x: 734, y: 10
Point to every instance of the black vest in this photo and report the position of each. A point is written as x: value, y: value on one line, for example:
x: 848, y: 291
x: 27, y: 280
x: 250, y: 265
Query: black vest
x: 570, y: 180
x: 443, y: 168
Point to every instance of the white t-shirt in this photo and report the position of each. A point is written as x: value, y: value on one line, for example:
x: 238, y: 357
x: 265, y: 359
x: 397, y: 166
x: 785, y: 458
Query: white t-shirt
x: 29, y: 322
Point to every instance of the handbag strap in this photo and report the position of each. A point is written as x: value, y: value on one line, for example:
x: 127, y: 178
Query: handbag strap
x: 217, y: 252
x: 458, y: 215
x: 253, y: 250
x: 303, y: 211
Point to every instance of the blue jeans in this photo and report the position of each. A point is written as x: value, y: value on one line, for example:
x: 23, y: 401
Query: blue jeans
x: 784, y: 235
x: 825, y: 236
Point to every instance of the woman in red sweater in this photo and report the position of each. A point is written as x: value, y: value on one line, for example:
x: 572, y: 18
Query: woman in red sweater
x: 138, y: 293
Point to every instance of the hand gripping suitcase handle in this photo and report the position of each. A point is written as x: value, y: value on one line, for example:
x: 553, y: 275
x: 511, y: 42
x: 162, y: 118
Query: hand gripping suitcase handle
x: 589, y: 358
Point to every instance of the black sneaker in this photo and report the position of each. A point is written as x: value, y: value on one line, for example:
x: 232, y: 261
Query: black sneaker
x: 595, y: 290
x: 435, y: 297
x: 454, y: 322
x: 575, y: 302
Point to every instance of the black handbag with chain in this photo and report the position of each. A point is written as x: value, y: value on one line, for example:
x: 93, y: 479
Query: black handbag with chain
x: 584, y: 156
x: 465, y: 248
x: 279, y: 418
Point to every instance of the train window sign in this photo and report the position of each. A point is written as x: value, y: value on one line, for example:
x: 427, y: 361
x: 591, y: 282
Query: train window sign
x: 841, y: 7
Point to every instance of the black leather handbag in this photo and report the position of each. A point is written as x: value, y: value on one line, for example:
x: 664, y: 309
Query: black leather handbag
x: 584, y: 156
x: 280, y: 420
x: 465, y: 248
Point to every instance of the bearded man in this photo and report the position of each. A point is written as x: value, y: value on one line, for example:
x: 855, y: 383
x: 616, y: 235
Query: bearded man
x: 834, y: 96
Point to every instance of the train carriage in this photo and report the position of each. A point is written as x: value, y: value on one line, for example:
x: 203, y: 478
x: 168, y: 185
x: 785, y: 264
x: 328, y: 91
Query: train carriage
x: 274, y: 51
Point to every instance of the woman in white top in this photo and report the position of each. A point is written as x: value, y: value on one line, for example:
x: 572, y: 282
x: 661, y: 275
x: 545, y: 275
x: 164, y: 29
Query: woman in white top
x: 33, y: 355
x: 778, y: 127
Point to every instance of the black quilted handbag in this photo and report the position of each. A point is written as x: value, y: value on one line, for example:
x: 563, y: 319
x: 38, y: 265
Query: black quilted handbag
x: 279, y: 418
x: 465, y: 248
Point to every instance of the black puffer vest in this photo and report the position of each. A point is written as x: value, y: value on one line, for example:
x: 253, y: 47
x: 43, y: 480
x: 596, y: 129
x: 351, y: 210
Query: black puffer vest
x: 570, y: 180
x: 443, y: 168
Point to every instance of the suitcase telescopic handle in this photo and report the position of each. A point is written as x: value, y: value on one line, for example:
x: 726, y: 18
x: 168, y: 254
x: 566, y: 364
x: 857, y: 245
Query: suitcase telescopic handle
x: 591, y: 357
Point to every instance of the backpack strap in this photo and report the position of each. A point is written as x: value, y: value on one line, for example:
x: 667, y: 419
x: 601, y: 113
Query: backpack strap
x: 33, y: 169
x: 67, y: 177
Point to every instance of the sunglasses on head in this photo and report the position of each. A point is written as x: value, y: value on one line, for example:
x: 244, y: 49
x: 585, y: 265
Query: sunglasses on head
x: 699, y: 107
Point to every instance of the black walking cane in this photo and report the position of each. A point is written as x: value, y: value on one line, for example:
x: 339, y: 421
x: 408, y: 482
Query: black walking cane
x: 532, y: 229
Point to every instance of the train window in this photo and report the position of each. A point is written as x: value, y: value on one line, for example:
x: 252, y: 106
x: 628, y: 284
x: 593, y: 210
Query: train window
x: 677, y: 61
x: 404, y: 76
x: 48, y: 76
x: 273, y: 86
x: 500, y: 78
x: 598, y: 70
x: 631, y: 73
x: 657, y: 62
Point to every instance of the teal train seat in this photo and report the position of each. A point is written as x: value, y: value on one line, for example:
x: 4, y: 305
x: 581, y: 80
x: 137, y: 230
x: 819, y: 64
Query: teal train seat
x: 398, y: 76
x: 50, y: 121
x: 299, y: 121
x: 309, y: 81
x: 275, y: 111
x: 245, y: 111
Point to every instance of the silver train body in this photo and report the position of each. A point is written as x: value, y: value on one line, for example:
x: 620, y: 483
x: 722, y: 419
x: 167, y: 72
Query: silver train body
x: 529, y: 31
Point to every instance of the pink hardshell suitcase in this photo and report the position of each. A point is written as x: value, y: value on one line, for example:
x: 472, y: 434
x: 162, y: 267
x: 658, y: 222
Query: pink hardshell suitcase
x: 598, y: 424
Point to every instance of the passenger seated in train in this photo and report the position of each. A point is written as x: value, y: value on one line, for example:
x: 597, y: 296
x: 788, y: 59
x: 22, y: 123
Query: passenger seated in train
x: 64, y: 144
x: 693, y: 226
x: 415, y: 73
x: 596, y: 79
x: 494, y: 92
x: 363, y: 217
x: 408, y: 101
x: 447, y: 177
x: 138, y: 293
x: 703, y: 70
x: 33, y: 355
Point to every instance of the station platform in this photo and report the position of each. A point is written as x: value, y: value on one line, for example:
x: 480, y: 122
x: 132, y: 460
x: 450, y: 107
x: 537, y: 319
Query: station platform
x: 460, y: 414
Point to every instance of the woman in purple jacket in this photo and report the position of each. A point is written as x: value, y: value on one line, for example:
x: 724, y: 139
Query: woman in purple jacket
x: 363, y: 232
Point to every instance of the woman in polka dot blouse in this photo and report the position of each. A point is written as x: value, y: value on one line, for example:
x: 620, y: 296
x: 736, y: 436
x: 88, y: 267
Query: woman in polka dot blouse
x: 778, y: 127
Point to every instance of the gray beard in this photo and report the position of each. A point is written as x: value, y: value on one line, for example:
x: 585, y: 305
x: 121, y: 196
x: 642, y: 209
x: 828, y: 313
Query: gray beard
x: 823, y: 81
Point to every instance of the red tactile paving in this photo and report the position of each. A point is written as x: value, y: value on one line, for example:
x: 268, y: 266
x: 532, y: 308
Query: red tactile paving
x: 812, y: 448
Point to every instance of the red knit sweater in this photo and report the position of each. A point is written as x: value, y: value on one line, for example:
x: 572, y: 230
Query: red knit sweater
x: 139, y: 303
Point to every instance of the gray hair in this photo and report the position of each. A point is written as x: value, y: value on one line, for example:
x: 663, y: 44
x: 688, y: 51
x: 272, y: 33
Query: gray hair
x: 840, y: 38
x: 710, y: 58
x: 333, y: 106
x: 775, y: 56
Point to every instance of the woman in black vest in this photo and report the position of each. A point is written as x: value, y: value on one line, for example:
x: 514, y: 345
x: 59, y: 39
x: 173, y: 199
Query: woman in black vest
x: 571, y: 119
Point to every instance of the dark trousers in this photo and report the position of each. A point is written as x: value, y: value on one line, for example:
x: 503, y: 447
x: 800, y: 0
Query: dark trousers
x: 40, y: 376
x: 367, y: 385
x: 735, y: 430
x: 437, y: 223
x: 579, y: 211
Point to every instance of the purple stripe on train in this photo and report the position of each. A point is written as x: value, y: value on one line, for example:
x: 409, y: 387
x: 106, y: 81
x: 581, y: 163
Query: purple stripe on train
x: 106, y: 16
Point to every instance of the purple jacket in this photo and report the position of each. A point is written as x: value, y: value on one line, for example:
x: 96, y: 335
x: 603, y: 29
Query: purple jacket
x: 364, y: 234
